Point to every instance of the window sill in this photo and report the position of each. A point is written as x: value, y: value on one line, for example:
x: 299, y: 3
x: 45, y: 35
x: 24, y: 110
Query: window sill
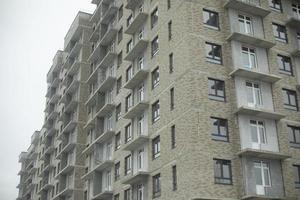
x: 286, y: 73
x: 215, y: 98
x: 217, y: 62
x: 212, y: 27
x: 281, y: 40
x: 291, y: 108
x: 294, y: 145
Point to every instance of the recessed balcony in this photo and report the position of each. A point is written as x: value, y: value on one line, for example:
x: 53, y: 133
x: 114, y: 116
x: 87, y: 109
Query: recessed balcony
x: 131, y: 4
x: 137, y: 23
x: 109, y: 35
x: 251, y: 39
x: 245, y: 110
x: 136, y: 142
x: 137, y: 49
x: 263, y: 154
x: 256, y: 75
x: 137, y: 78
x: 136, y: 109
x: 105, y: 164
x: 106, y: 194
x: 139, y: 176
x: 100, y: 139
x: 249, y: 6
x: 106, y: 109
x: 109, y: 13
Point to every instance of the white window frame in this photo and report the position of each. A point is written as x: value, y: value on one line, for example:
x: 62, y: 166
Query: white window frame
x: 296, y: 10
x: 260, y: 131
x: 140, y: 159
x: 245, y: 23
x: 254, y: 91
x: 260, y: 165
x: 249, y: 52
x: 140, y: 192
x: 140, y: 124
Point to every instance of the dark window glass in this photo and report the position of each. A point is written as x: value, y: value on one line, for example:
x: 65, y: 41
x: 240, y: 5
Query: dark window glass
x: 118, y: 112
x: 211, y: 18
x: 170, y: 30
x: 155, y: 111
x: 127, y: 194
x: 156, y: 147
x: 168, y: 4
x: 276, y: 5
x: 117, y: 171
x: 127, y: 164
x: 118, y: 141
x: 174, y: 177
x: 119, y: 85
x: 216, y: 89
x: 120, y: 35
x: 294, y: 136
x: 155, y: 77
x: 172, y: 98
x: 128, y: 101
x: 213, y: 53
x: 222, y: 169
x: 280, y: 33
x: 120, y: 59
x: 156, y: 185
x: 219, y: 129
x: 128, y: 133
x: 154, y: 46
x: 285, y: 64
x: 171, y: 63
x: 120, y: 12
x: 290, y: 99
x: 297, y: 175
x: 154, y: 17
x: 173, y: 137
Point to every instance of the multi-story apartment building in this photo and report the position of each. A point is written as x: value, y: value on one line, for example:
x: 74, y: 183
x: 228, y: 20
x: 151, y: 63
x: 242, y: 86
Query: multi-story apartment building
x: 175, y: 99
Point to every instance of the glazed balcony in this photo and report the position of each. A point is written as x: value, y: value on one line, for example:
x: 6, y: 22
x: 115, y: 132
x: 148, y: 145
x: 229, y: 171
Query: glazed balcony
x: 249, y: 6
x: 108, y: 14
x: 255, y: 74
x: 138, y: 21
x: 139, y: 46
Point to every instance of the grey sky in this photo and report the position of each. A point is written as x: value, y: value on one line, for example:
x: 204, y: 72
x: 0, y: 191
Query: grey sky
x: 30, y: 33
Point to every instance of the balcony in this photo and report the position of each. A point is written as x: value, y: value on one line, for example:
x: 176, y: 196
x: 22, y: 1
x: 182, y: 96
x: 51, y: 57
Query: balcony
x: 73, y: 85
x: 137, y: 22
x: 106, y: 194
x: 131, y: 4
x: 256, y: 75
x: 97, y: 13
x: 136, y: 109
x: 259, y: 113
x: 137, y: 78
x: 249, y: 6
x: 137, y: 49
x: 139, y: 176
x: 109, y: 13
x: 47, y: 185
x: 110, y: 34
x: 100, y: 139
x: 106, y: 84
x: 104, y: 164
x: 71, y: 103
x: 263, y: 154
x: 67, y: 147
x: 251, y: 39
x: 96, y: 33
x: 137, y: 141
x: 293, y: 21
x: 54, y: 98
x: 75, y: 49
x: 70, y: 125
x: 106, y: 109
x: 66, y: 191
x: 74, y: 68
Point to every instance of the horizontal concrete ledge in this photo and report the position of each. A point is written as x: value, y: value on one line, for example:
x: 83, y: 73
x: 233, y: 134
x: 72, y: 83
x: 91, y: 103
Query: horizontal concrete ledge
x: 247, y: 73
x: 251, y: 39
x: 263, y: 154
x: 262, y: 197
x: 259, y: 113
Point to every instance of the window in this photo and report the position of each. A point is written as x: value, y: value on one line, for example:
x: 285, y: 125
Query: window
x: 127, y: 194
x: 258, y: 132
x: 154, y: 46
x: 296, y: 10
x: 170, y: 30
x: 154, y: 17
x: 297, y: 175
x: 216, y: 89
x: 155, y: 77
x: 155, y: 112
x: 128, y: 102
x: 128, y: 133
x: 219, y: 129
x: 140, y: 125
x: 222, y: 169
x: 118, y: 141
x: 290, y: 99
x: 141, y: 63
x: 140, y: 192
x: 168, y: 4
x: 120, y: 35
x: 117, y: 197
x: 156, y: 147
x: 140, y: 159
x: 129, y: 20
x: 119, y: 85
x: 129, y: 73
x: 294, y: 136
x: 118, y: 112
x: 211, y: 18
x: 174, y: 177
x: 172, y: 98
x: 249, y: 58
x: 129, y: 45
x: 213, y: 53
x: 245, y: 24
x: 262, y: 173
x: 173, y: 137
x: 120, y: 59
x: 275, y: 5
x: 127, y: 165
x: 141, y: 93
x: 254, y: 96
x: 117, y: 171
x: 171, y: 67
x: 156, y: 185
x: 280, y: 33
x: 120, y: 12
x: 285, y: 64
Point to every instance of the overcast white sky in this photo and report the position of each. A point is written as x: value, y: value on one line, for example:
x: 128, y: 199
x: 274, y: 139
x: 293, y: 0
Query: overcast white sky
x: 31, y: 31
